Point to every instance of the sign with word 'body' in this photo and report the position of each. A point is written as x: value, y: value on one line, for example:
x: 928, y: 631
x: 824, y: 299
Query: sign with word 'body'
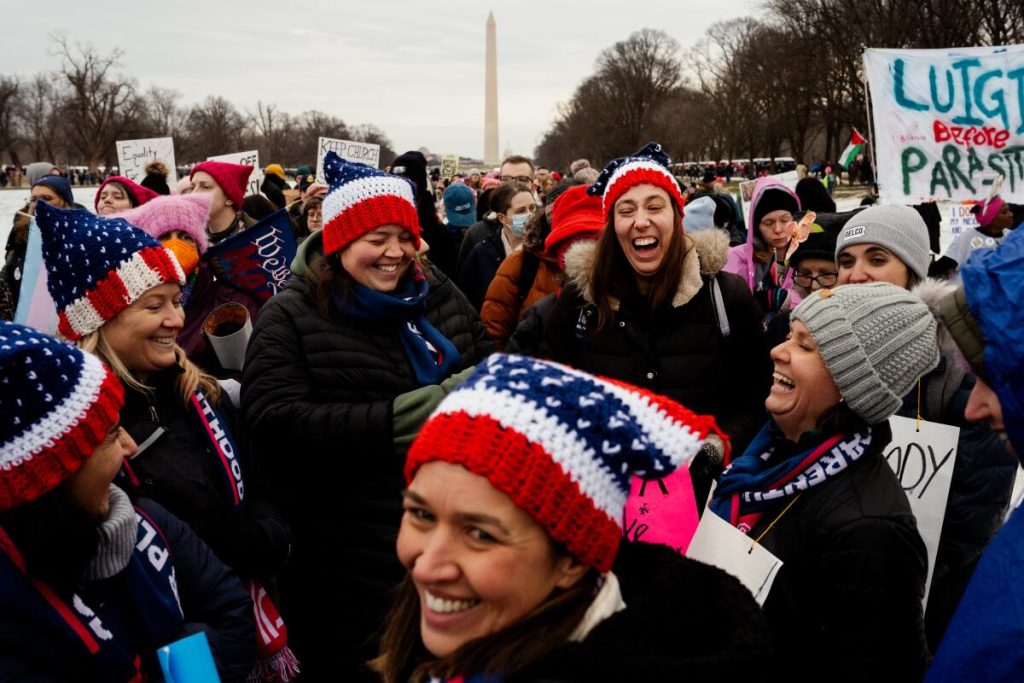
x: 134, y: 155
x: 947, y: 122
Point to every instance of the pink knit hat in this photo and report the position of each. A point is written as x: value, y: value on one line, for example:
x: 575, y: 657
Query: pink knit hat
x: 987, y: 209
x: 232, y: 178
x: 187, y: 212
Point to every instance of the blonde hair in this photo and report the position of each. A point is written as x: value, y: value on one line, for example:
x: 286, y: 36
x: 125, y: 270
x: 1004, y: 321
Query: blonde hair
x: 190, y: 379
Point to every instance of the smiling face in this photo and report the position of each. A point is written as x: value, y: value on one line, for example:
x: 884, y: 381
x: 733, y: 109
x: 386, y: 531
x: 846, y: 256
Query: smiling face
x: 645, y: 227
x: 380, y: 258
x: 862, y: 263
x: 479, y: 563
x: 113, y: 199
x: 143, y: 334
x: 89, y: 487
x: 802, y: 388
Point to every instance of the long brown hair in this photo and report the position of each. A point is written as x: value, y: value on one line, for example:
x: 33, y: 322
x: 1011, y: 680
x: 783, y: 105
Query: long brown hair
x: 546, y: 628
x: 613, y: 278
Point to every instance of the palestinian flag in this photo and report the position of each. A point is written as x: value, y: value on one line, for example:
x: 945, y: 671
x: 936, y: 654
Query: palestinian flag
x: 857, y: 143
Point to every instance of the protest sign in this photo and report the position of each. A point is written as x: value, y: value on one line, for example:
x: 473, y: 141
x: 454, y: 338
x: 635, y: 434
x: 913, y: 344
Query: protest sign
x: 923, y: 462
x: 961, y: 219
x: 258, y: 259
x: 449, y: 166
x: 363, y: 152
x: 788, y: 178
x: 662, y: 510
x: 251, y: 158
x: 722, y: 545
x: 133, y: 155
x: 947, y: 122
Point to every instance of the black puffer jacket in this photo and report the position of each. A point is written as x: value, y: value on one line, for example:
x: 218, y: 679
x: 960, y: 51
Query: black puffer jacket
x: 684, y: 621
x: 176, y: 467
x: 846, y: 604
x: 317, y: 400
x: 679, y: 351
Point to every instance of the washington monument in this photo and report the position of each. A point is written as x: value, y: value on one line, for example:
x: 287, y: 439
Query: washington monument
x: 491, y: 97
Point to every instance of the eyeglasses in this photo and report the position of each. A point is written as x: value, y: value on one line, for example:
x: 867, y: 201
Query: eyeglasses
x: 520, y: 178
x: 825, y: 280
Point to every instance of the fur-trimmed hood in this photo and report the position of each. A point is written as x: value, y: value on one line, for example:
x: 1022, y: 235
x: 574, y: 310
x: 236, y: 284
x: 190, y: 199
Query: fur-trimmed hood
x: 706, y: 255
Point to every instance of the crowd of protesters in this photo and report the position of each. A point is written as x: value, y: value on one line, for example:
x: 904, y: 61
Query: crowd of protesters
x: 419, y: 469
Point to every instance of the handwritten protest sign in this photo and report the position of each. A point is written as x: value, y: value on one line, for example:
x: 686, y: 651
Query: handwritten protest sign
x: 258, y: 259
x: 923, y: 462
x: 722, y: 545
x: 251, y: 158
x: 363, y: 152
x: 662, y: 510
x: 961, y: 219
x: 133, y: 155
x: 947, y: 122
x: 449, y: 166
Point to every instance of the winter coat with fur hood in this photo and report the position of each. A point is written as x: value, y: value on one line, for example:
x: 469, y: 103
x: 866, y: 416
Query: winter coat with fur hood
x: 706, y: 349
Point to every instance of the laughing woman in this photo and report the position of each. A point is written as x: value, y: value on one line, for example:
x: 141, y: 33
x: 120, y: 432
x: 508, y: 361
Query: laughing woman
x: 646, y: 304
x: 814, y: 488
x: 347, y: 358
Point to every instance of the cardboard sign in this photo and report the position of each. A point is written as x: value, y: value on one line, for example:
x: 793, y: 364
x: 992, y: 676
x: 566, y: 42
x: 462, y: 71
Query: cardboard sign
x: 258, y: 259
x: 961, y: 219
x: 133, y: 155
x: 662, y: 510
x: 947, y: 122
x: 251, y: 158
x: 722, y: 545
x: 923, y: 462
x: 363, y: 152
x: 449, y: 166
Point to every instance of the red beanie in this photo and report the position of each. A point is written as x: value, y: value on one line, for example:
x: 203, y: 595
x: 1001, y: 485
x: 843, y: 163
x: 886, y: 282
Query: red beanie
x: 141, y: 194
x: 575, y: 215
x: 232, y: 178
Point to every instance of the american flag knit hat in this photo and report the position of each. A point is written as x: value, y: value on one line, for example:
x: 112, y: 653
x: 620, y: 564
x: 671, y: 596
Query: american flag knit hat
x: 57, y: 405
x: 648, y: 165
x: 561, y: 444
x: 96, y: 267
x: 360, y: 199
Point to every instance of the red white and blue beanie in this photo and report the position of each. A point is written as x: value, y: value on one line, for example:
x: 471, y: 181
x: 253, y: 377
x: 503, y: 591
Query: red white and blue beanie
x: 96, y: 267
x: 649, y: 165
x: 360, y: 199
x: 57, y: 405
x: 562, y: 444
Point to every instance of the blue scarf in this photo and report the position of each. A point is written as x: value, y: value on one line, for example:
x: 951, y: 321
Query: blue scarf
x: 104, y: 633
x: 756, y: 480
x: 432, y: 356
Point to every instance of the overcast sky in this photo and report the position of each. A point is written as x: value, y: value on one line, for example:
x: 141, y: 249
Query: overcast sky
x: 413, y: 68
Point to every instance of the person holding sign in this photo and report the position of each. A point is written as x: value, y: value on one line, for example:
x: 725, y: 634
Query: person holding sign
x: 983, y: 641
x: 890, y: 244
x: 118, y: 193
x: 512, y: 541
x: 815, y: 490
x: 91, y: 581
x: 342, y: 368
x: 994, y: 219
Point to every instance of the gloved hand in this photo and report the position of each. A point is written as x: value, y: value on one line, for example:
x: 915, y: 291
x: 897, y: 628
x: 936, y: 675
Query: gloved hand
x: 449, y: 385
x: 409, y: 411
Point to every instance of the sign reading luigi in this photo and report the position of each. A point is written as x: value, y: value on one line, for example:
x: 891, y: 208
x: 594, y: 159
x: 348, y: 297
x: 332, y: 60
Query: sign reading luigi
x: 947, y: 122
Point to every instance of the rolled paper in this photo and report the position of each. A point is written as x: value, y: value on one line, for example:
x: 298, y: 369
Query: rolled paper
x: 188, y: 660
x: 228, y: 328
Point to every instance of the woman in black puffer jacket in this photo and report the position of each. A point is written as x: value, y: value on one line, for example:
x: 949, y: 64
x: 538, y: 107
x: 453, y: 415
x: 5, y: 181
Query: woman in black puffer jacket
x: 342, y: 368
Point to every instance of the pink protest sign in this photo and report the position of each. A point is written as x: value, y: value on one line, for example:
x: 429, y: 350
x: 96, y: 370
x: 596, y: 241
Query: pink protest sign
x: 662, y: 510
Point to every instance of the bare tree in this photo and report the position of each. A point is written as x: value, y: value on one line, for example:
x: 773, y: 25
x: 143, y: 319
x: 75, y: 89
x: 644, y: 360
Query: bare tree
x: 215, y: 127
x: 38, y: 113
x: 10, y: 86
x: 367, y: 132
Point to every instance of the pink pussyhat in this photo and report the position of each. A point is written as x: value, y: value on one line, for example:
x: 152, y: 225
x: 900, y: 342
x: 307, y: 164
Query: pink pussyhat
x: 988, y: 209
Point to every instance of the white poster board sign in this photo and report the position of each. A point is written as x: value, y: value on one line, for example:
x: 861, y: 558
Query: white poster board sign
x: 133, y: 155
x: 363, y: 152
x: 923, y: 463
x: 947, y: 122
x: 722, y: 545
x: 251, y: 158
x: 961, y: 219
x: 449, y: 166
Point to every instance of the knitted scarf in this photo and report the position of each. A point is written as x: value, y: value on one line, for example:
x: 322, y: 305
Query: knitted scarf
x: 432, y: 356
x: 277, y: 662
x: 145, y: 600
x: 759, y: 479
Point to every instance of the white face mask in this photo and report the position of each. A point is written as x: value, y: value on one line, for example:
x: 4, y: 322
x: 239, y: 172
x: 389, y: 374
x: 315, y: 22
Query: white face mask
x: 518, y: 225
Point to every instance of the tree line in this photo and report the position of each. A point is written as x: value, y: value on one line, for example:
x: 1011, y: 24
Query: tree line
x: 789, y: 83
x: 75, y: 115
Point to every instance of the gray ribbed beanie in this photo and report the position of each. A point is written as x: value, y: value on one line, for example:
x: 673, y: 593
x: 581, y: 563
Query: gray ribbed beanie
x: 900, y: 229
x: 876, y: 339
